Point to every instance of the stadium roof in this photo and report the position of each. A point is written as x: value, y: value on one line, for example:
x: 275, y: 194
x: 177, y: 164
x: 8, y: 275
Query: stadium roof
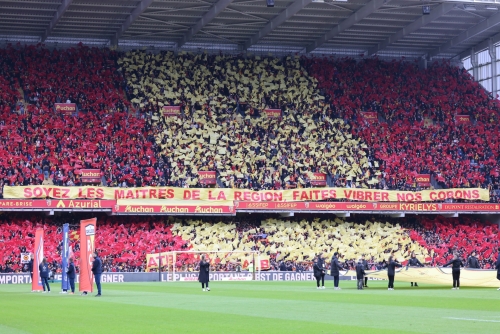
x: 383, y: 27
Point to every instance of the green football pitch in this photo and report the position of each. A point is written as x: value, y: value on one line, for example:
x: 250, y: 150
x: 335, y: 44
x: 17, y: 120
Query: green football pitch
x: 252, y: 307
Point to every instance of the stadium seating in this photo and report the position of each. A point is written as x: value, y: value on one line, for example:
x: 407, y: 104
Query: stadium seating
x: 85, y: 76
x: 420, y: 131
x: 124, y: 241
x: 225, y: 127
x: 299, y: 241
x: 443, y: 237
x: 9, y: 94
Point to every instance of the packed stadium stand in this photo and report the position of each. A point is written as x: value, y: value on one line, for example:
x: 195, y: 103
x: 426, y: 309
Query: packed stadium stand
x: 420, y: 131
x: 224, y: 126
x: 125, y: 241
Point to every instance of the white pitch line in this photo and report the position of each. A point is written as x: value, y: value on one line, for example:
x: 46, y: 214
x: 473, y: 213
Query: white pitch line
x: 467, y: 319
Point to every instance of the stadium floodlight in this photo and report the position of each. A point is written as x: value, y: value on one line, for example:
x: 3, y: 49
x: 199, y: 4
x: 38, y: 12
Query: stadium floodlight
x: 491, y: 8
x: 426, y: 10
x: 318, y: 1
x: 469, y: 7
x: 270, y: 3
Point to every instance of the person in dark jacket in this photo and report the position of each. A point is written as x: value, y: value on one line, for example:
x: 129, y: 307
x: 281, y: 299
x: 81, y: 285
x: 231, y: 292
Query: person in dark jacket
x: 71, y: 275
x: 97, y: 271
x: 44, y: 274
x: 360, y: 273
x: 497, y: 266
x: 283, y: 266
x: 456, y: 263
x: 334, y: 270
x: 204, y: 275
x: 318, y: 273
x: 391, y: 271
x: 473, y: 262
x: 322, y: 265
x: 414, y: 262
x: 30, y: 266
x: 366, y: 267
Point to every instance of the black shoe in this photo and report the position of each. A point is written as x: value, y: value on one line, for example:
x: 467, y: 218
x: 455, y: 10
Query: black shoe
x: 416, y: 284
x: 98, y: 295
x: 365, y: 286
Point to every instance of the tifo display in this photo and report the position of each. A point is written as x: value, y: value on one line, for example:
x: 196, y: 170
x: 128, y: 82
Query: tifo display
x: 132, y: 244
x: 129, y: 142
x: 249, y: 124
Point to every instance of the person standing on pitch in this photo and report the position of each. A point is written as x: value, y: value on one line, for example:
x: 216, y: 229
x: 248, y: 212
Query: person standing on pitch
x: 204, y: 275
x: 44, y: 274
x: 391, y: 271
x: 334, y: 270
x: 497, y: 266
x: 360, y: 273
x: 71, y: 275
x: 366, y: 267
x: 30, y: 266
x: 97, y: 271
x: 456, y: 263
x: 317, y: 271
x: 414, y: 262
x: 322, y: 265
x: 472, y: 261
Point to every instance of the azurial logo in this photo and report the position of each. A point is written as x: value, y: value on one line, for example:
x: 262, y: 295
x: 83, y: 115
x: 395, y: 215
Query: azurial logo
x: 89, y: 230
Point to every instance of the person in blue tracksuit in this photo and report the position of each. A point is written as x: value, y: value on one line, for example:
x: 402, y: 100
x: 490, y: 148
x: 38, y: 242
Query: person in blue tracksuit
x: 44, y: 271
x: 71, y: 275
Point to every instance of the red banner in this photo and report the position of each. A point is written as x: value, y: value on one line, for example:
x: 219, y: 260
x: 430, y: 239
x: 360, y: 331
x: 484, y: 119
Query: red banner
x: 207, y: 177
x: 175, y: 209
x: 462, y: 119
x: 318, y: 179
x: 423, y: 180
x: 370, y: 116
x: 36, y: 284
x: 91, y: 175
x: 87, y: 243
x: 171, y: 111
x: 273, y: 113
x: 56, y: 204
x: 228, y: 208
x: 368, y: 206
x: 65, y: 108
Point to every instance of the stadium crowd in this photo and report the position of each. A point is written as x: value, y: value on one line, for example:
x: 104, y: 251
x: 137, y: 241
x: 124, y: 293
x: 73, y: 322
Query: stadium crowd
x: 288, y: 244
x: 224, y: 125
x: 421, y: 131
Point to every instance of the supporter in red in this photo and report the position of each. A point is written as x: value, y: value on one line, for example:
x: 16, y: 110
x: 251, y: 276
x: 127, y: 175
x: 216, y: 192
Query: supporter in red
x: 419, y: 132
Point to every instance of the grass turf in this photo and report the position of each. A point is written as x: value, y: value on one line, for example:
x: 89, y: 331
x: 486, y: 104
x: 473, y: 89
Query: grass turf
x: 252, y: 307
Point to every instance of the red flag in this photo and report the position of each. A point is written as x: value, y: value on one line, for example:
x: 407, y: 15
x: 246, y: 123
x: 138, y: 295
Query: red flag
x: 87, y: 242
x: 36, y: 284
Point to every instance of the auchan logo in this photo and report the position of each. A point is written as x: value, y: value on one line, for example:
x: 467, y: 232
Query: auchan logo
x: 65, y: 107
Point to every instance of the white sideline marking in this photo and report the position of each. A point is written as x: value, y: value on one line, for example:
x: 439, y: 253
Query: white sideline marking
x: 467, y: 319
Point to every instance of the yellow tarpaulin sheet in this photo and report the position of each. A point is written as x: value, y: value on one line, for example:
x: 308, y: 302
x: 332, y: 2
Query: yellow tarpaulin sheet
x: 438, y: 275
